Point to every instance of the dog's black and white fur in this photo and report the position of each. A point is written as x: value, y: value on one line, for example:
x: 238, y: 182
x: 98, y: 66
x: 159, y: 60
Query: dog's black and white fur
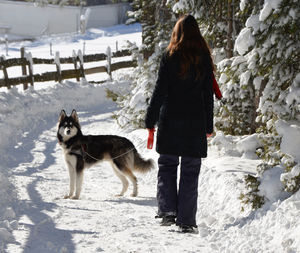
x: 82, y: 151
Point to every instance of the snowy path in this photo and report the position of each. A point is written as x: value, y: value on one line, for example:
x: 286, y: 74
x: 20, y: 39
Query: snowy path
x: 99, y: 221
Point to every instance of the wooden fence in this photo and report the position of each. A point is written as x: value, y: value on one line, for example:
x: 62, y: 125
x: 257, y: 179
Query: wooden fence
x: 26, y: 63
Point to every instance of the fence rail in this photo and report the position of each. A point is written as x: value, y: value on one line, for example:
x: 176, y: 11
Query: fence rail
x: 26, y: 62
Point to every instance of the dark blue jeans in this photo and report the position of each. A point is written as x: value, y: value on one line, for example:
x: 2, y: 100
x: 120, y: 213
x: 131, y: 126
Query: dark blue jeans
x: 181, y: 202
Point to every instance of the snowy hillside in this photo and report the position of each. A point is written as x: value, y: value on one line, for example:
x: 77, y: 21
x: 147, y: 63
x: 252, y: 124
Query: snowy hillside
x: 34, y: 217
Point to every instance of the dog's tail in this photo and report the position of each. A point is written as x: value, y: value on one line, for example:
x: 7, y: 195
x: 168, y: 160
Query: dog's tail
x: 142, y: 165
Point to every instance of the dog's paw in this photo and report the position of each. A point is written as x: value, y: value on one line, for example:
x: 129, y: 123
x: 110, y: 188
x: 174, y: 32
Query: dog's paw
x: 119, y: 195
x: 134, y: 194
x: 74, y: 197
x: 67, y: 196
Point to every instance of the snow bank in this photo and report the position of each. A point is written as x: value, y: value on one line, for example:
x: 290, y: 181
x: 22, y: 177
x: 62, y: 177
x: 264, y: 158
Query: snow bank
x: 241, y: 146
x: 8, y: 220
x: 248, y: 145
x: 271, y: 187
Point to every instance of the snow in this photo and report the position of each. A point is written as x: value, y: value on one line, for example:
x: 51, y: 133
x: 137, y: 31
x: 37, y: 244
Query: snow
x: 237, y: 60
x: 243, y: 4
x: 244, y: 41
x: 253, y: 22
x: 223, y: 78
x: 265, y: 12
x: 180, y: 5
x: 257, y: 82
x: 290, y: 138
x: 271, y: 187
x: 248, y: 145
x: 269, y: 6
x: 34, y: 217
x: 244, y: 78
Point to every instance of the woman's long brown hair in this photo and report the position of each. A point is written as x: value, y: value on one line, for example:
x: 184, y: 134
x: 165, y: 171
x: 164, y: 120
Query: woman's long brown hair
x: 187, y: 40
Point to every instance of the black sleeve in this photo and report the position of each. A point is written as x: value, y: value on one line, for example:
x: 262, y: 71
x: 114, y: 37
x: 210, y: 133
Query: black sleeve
x: 209, y: 103
x: 159, y: 94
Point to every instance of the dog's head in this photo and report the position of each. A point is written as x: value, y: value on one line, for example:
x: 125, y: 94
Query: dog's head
x: 68, y: 126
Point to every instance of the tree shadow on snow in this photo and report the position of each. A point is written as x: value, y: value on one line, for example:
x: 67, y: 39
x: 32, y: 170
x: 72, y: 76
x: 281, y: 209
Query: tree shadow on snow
x: 43, y: 235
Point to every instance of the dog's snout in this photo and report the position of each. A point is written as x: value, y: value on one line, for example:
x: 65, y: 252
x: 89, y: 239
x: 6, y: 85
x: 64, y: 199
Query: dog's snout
x: 67, y: 131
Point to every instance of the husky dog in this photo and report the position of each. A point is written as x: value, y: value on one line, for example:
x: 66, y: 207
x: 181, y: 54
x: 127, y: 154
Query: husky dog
x: 82, y: 151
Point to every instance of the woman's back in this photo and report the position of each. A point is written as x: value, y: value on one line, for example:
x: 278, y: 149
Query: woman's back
x: 182, y: 101
x: 185, y: 94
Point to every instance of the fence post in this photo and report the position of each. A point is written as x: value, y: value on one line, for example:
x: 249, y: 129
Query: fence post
x: 75, y: 66
x: 57, y: 63
x: 30, y: 67
x: 108, y: 65
x: 23, y: 66
x: 2, y: 58
x: 6, y: 44
x: 51, y: 49
x: 83, y: 50
x: 80, y: 58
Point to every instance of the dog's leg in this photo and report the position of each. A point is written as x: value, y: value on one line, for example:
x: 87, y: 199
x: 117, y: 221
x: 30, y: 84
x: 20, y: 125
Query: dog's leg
x: 123, y: 179
x: 72, y: 175
x: 133, y: 180
x: 129, y: 163
x: 79, y: 180
x: 79, y: 176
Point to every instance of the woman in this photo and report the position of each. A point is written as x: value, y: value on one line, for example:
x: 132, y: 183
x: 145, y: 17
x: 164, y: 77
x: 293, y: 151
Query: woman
x: 182, y: 107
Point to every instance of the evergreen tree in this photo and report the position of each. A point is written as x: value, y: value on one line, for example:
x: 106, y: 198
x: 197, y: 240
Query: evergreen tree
x: 156, y: 33
x: 221, y: 23
x: 274, y: 64
x: 144, y: 13
x: 238, y: 79
x: 278, y: 42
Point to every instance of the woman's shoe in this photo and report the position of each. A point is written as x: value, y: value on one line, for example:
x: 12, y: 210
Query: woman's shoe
x: 188, y: 229
x: 167, y: 220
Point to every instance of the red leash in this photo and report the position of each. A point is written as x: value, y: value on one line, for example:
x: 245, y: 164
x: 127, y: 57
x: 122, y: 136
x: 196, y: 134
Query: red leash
x: 150, y: 138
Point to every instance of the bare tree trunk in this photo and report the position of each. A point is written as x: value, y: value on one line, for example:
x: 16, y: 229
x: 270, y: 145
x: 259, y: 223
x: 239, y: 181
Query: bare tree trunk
x: 254, y: 124
x: 229, y: 47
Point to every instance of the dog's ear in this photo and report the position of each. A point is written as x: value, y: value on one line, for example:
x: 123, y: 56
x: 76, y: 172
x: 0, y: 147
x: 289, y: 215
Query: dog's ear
x: 75, y: 116
x: 62, y: 115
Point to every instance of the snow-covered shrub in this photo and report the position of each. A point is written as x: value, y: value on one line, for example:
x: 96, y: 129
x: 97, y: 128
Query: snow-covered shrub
x: 237, y: 115
x: 273, y: 61
x: 134, y: 104
x: 251, y: 196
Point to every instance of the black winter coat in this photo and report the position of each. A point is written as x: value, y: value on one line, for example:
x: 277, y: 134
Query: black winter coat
x: 182, y: 109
